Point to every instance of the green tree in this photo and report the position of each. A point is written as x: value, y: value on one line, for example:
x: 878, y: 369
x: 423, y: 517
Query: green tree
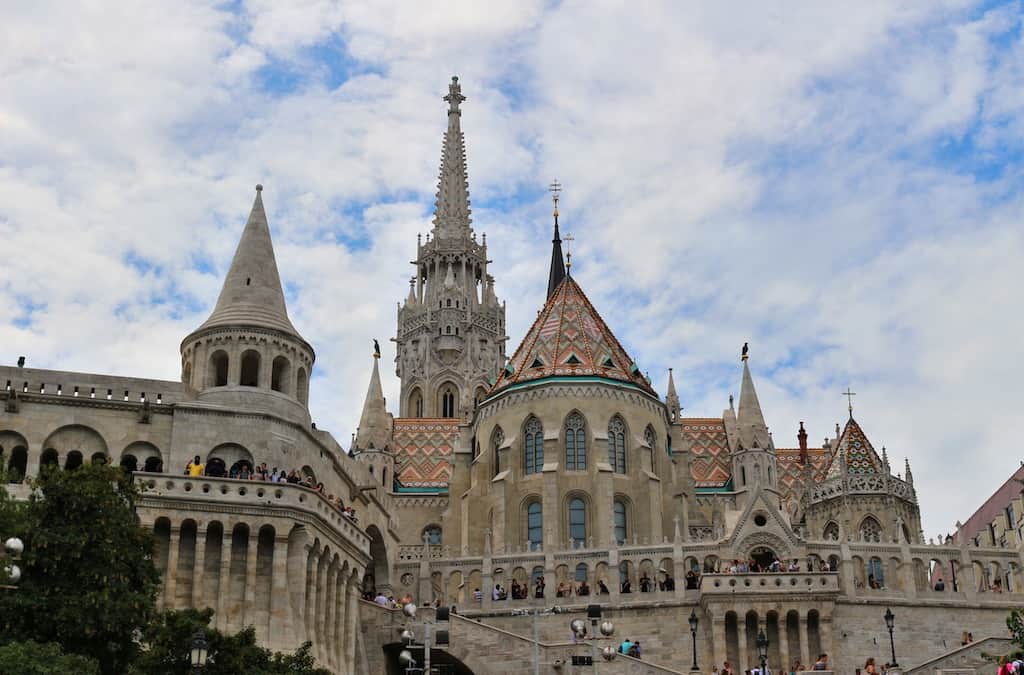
x: 169, y: 638
x: 32, y: 658
x: 88, y: 579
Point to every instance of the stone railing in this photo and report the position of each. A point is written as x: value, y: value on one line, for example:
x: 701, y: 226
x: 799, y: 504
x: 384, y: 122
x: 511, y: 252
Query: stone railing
x: 871, y: 484
x: 226, y: 491
x: 773, y: 582
x: 979, y: 656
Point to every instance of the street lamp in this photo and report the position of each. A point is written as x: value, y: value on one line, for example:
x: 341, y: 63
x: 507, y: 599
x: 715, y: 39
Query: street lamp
x: 762, y: 649
x: 198, y: 654
x: 13, y: 547
x: 890, y: 620
x: 693, y: 633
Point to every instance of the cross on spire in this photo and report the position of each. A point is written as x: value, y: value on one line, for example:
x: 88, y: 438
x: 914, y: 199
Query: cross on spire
x: 849, y: 397
x: 569, y: 239
x: 454, y: 96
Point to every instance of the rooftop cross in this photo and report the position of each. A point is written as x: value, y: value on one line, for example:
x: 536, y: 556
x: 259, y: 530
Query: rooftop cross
x: 454, y: 96
x: 554, y: 189
x: 849, y: 397
x: 568, y: 239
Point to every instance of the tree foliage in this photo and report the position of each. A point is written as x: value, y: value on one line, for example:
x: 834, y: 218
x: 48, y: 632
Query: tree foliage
x: 88, y: 577
x: 32, y: 658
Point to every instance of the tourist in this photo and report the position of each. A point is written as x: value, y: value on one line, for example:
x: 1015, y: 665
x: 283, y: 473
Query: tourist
x: 669, y: 584
x: 195, y: 467
x: 634, y: 651
x: 691, y: 580
x: 477, y: 595
x: 869, y: 667
x: 626, y: 588
x: 562, y: 591
x: 538, y: 587
x: 1004, y: 666
x: 940, y: 585
x: 583, y: 590
x: 601, y: 588
x: 794, y: 566
x: 821, y: 663
x: 627, y: 643
x: 727, y: 668
x: 381, y: 599
x: 645, y: 583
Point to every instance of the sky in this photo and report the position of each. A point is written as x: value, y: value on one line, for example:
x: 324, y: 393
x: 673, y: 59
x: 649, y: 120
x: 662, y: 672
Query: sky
x: 839, y: 184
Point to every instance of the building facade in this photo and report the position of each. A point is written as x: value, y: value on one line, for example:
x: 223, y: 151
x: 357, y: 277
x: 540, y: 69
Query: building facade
x: 562, y: 461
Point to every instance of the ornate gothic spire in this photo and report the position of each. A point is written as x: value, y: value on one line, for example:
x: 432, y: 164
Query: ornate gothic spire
x: 451, y: 214
x: 749, y: 418
x: 374, y: 426
x: 672, y: 398
x: 557, y: 272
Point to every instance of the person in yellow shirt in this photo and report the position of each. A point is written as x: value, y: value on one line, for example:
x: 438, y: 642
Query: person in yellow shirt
x: 196, y: 466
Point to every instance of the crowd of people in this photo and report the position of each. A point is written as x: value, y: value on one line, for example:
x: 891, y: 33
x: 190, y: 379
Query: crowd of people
x: 581, y: 589
x: 242, y: 470
x: 773, y: 566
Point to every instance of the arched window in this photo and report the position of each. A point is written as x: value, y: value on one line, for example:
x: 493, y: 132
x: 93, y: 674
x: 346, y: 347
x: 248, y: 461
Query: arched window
x: 831, y: 531
x: 416, y: 403
x: 433, y: 535
x: 617, y: 444
x: 533, y: 446
x: 875, y: 574
x: 534, y: 525
x: 497, y: 440
x: 250, y: 376
x: 575, y: 443
x: 219, y: 369
x: 870, y: 530
x: 280, y: 376
x: 186, y: 374
x: 577, y: 521
x: 73, y: 461
x: 448, y: 402
x: 302, y: 386
x: 581, y: 572
x: 619, y: 513
x: 650, y: 439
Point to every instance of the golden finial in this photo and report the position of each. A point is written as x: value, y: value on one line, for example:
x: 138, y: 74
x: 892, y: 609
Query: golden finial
x: 554, y: 189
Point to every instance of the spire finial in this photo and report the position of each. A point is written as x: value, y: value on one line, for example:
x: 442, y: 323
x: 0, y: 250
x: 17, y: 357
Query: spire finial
x: 454, y: 96
x: 849, y: 397
x: 557, y: 271
x: 554, y: 189
x: 259, y: 187
x: 569, y: 239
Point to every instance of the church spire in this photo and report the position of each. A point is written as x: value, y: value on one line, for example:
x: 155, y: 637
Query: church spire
x: 672, y: 398
x: 374, y: 426
x: 252, y: 293
x: 749, y: 418
x: 451, y: 213
x: 557, y: 272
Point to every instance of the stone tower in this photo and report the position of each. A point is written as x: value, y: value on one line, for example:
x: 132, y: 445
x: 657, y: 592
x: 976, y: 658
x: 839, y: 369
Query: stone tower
x: 753, y: 451
x: 451, y: 329
x: 248, y: 354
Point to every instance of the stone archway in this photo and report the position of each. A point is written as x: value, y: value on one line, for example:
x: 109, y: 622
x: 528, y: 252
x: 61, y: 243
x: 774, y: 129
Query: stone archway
x: 379, y: 568
x: 758, y: 544
x: 438, y: 657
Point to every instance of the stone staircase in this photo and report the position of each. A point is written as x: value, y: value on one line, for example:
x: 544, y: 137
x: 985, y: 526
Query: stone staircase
x: 967, y: 659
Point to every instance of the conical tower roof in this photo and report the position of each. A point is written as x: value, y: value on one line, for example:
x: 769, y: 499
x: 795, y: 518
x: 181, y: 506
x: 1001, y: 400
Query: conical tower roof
x: 749, y: 418
x: 570, y: 339
x: 374, y: 426
x: 855, y: 453
x: 252, y: 293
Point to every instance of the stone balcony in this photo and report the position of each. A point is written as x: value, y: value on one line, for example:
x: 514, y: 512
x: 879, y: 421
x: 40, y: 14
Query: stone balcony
x: 768, y: 583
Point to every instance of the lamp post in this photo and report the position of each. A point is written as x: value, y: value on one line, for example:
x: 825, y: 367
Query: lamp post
x: 13, y: 548
x: 890, y: 620
x: 762, y: 649
x: 606, y: 629
x: 693, y: 633
x: 198, y: 653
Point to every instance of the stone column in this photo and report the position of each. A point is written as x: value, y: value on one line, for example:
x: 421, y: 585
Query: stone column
x: 805, y: 648
x: 550, y: 510
x: 198, y: 565
x: 741, y: 635
x: 171, y: 575
x: 350, y: 629
x: 718, y: 642
x: 825, y: 635
x: 223, y: 587
x: 309, y: 627
x: 321, y: 598
x: 249, y: 606
x: 234, y: 364
x: 783, y: 643
x: 340, y: 616
x: 330, y: 588
x: 280, y: 623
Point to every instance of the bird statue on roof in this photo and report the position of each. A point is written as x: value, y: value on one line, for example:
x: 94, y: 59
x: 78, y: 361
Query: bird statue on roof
x: 743, y: 356
x: 376, y: 349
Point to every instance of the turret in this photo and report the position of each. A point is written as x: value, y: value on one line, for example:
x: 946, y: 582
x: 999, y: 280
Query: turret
x: 753, y: 455
x: 247, y: 354
x: 672, y: 399
x: 372, y: 441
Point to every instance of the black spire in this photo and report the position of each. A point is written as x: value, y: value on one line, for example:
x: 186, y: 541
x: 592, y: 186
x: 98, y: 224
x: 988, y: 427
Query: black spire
x: 557, y: 272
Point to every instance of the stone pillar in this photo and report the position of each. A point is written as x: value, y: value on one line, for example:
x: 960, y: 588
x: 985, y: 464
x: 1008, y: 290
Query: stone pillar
x: 805, y: 648
x: 223, y: 587
x: 604, y: 494
x: 171, y: 575
x: 330, y: 590
x: 783, y: 644
x: 718, y: 642
x: 350, y: 629
x: 234, y: 364
x: 280, y: 623
x: 967, y: 580
x: 825, y: 635
x: 309, y: 628
x: 340, y: 615
x: 551, y: 511
x: 199, y: 562
x: 320, y: 589
x: 741, y: 637
x: 249, y: 596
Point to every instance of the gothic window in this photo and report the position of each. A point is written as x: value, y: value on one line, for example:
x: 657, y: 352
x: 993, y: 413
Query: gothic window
x: 831, y: 531
x: 875, y: 574
x: 619, y: 513
x: 870, y: 530
x: 1011, y: 522
x: 534, y: 525
x: 448, y: 402
x: 497, y: 440
x: 533, y: 450
x: 219, y: 369
x: 577, y: 521
x: 575, y: 443
x: 416, y: 403
x: 650, y: 439
x: 250, y: 375
x: 448, y: 330
x: 617, y: 444
x: 449, y: 302
x: 302, y: 386
x: 433, y: 535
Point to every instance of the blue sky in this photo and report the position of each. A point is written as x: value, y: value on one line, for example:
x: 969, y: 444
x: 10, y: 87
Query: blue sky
x: 839, y: 185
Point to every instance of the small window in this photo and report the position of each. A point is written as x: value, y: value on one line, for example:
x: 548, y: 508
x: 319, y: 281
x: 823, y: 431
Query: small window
x: 608, y: 363
x: 537, y: 363
x: 534, y: 525
x: 433, y: 535
x: 572, y: 360
x: 578, y: 521
x: 619, y: 511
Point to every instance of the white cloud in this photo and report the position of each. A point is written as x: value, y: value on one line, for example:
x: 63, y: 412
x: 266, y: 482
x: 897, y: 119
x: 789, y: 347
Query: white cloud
x: 731, y: 174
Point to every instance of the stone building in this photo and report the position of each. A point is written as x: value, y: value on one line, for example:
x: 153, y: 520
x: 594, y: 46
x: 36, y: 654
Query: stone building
x: 562, y: 462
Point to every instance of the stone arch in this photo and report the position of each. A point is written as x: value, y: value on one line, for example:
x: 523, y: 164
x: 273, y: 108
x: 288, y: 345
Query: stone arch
x: 302, y: 386
x: 531, y: 519
x: 75, y: 442
x: 478, y: 396
x: 447, y: 399
x: 186, y: 374
x: 249, y: 373
x: 765, y: 540
x: 379, y: 560
x: 217, y: 372
x: 13, y: 451
x: 227, y: 457
x: 575, y: 440
x: 577, y: 521
x: 307, y: 472
x: 831, y: 532
x: 49, y: 458
x: 416, y: 402
x: 281, y: 375
x: 433, y: 533
x: 141, y: 455
x: 627, y: 577
x: 711, y: 564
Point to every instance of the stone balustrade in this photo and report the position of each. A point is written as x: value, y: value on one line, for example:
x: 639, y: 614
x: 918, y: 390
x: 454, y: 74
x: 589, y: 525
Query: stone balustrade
x: 772, y: 582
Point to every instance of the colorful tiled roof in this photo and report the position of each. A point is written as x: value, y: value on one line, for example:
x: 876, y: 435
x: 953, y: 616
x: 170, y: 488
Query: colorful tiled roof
x: 858, y: 454
x: 424, y: 451
x: 569, y: 338
x: 791, y: 471
x: 711, y: 464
